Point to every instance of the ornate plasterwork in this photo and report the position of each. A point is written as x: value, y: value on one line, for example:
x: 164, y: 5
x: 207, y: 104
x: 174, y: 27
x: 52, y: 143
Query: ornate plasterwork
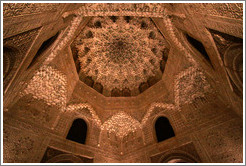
x: 50, y: 85
x: 152, y: 108
x: 226, y: 138
x: 75, y: 107
x: 121, y: 124
x: 70, y: 31
x: 15, y: 49
x: 119, y: 53
x: 120, y: 9
x: 20, y: 9
x: 230, y: 10
x: 64, y: 40
x: 173, y: 36
x: 19, y: 146
x: 189, y: 85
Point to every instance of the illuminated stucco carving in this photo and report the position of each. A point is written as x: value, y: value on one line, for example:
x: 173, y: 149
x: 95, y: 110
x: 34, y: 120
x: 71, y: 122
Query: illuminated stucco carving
x: 76, y: 107
x: 50, y: 85
x: 121, y: 124
x: 120, y: 54
x: 182, y: 97
x: 168, y: 107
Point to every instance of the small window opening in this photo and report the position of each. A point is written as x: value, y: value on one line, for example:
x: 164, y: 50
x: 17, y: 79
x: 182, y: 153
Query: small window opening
x: 163, y: 129
x: 78, y: 131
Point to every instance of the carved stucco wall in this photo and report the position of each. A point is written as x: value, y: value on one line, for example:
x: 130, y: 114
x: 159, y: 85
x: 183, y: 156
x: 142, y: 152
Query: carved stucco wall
x: 231, y: 10
x: 19, y: 146
x: 228, y: 133
x: 16, y: 9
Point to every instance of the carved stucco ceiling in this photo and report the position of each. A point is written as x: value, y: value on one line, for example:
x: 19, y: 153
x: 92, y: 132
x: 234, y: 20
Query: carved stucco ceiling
x: 120, y: 54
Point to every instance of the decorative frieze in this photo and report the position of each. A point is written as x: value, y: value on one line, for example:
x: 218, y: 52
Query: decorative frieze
x: 20, y: 9
x: 122, y: 9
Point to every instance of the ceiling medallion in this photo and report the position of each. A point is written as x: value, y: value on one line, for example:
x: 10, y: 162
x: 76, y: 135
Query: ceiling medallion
x: 120, y: 52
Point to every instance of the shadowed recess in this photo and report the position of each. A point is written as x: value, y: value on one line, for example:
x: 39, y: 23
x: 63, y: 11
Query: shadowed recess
x: 199, y: 47
x: 45, y: 45
x: 78, y: 131
x: 163, y: 129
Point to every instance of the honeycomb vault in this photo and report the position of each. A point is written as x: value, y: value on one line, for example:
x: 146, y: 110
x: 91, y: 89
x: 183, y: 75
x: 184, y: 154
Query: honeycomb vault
x: 123, y: 83
x: 120, y: 54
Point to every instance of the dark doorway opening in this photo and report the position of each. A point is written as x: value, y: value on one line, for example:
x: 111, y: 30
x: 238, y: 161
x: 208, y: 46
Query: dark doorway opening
x: 163, y: 129
x: 78, y: 131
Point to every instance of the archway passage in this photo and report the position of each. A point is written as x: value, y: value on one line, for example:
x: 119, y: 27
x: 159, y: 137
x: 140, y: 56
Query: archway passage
x: 163, y: 129
x: 78, y: 131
